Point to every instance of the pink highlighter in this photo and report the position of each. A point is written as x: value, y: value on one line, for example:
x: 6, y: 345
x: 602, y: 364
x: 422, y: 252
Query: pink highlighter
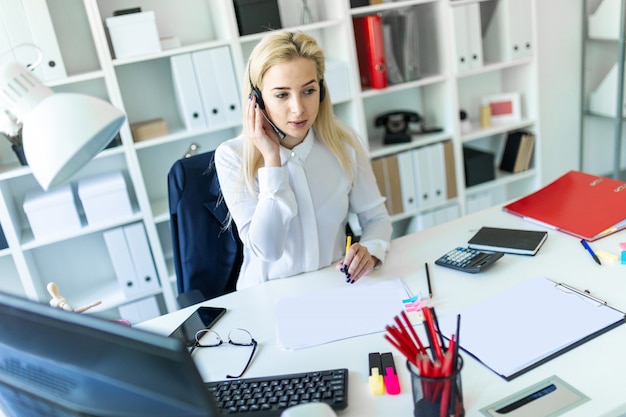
x: 390, y: 376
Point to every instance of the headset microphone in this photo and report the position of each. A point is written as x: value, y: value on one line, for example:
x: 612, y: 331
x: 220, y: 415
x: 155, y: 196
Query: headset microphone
x: 259, y: 101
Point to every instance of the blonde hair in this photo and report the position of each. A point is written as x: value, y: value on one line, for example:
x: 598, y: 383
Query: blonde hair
x: 279, y: 47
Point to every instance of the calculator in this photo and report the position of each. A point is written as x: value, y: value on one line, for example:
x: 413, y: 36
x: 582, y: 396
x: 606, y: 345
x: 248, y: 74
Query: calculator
x: 468, y: 260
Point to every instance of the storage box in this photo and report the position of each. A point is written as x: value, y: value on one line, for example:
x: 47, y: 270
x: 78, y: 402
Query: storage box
x: 104, y: 197
x: 255, y: 16
x: 51, y: 213
x: 479, y: 166
x: 149, y: 129
x: 134, y: 34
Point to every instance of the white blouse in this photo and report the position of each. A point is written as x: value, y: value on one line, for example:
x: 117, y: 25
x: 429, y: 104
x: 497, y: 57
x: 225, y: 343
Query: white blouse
x: 296, y: 222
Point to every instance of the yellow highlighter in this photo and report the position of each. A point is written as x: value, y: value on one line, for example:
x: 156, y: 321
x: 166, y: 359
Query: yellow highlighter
x: 348, y: 243
x: 377, y: 383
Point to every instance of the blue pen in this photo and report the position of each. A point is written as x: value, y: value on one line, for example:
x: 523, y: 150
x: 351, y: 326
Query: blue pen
x: 591, y: 252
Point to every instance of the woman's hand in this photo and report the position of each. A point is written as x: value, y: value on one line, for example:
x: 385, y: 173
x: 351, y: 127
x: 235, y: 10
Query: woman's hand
x: 263, y: 136
x: 357, y: 263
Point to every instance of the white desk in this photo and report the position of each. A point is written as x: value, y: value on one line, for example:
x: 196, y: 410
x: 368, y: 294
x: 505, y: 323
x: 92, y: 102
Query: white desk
x: 596, y: 368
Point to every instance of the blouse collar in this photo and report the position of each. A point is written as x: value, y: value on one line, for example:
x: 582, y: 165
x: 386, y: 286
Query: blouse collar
x: 299, y: 152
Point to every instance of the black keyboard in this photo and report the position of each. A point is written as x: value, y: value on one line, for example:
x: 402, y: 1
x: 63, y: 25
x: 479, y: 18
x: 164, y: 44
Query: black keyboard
x: 269, y: 396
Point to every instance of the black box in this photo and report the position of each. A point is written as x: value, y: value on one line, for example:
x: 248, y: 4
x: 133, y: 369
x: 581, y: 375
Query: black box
x: 254, y: 16
x: 479, y: 166
x: 359, y: 3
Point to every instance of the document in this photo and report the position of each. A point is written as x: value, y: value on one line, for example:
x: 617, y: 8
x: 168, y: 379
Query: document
x: 338, y: 313
x: 529, y: 324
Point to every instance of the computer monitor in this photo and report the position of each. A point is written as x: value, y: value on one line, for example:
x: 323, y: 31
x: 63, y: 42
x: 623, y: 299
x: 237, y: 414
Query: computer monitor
x: 60, y: 363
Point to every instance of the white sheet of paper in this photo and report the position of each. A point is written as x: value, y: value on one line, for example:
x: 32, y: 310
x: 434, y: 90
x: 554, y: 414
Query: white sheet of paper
x: 338, y: 313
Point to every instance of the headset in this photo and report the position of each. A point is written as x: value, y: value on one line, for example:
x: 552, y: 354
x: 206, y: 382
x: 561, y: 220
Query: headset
x: 256, y: 92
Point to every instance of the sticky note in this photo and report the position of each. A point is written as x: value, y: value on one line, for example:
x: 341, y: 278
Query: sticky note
x: 607, y: 257
x: 622, y: 245
x: 624, y: 257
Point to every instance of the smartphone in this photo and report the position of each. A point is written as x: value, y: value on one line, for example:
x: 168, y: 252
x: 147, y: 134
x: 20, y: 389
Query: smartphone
x: 202, y: 318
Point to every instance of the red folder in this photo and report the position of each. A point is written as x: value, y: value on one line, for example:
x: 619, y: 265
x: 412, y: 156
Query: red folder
x: 583, y: 205
x: 368, y: 35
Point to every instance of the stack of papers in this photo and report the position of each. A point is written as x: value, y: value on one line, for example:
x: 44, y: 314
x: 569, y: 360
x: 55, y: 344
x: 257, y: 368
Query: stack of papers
x: 338, y: 313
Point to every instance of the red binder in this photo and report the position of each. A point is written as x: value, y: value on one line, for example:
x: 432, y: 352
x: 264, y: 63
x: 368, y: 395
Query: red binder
x: 583, y: 205
x: 368, y: 35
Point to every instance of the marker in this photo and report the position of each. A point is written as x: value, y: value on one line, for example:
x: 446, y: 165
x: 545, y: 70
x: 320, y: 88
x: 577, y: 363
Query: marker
x: 390, y: 376
x: 377, y: 386
x: 430, y: 289
x: 345, y: 267
x: 593, y: 255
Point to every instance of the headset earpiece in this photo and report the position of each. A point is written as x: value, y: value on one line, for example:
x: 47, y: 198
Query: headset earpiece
x: 322, y: 90
x: 257, y: 94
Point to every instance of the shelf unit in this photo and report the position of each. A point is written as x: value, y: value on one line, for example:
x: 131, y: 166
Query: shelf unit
x: 603, y: 88
x: 142, y: 87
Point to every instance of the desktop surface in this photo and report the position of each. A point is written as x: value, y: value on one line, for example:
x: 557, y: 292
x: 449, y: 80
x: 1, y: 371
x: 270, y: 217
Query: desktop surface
x: 595, y: 368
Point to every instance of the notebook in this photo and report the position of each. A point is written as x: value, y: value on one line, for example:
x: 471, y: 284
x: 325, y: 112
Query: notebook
x: 521, y: 242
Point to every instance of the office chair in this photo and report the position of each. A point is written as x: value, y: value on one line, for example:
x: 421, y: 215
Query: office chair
x: 207, y: 253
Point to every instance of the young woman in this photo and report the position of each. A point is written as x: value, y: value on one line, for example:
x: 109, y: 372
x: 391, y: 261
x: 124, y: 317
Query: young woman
x: 290, y: 179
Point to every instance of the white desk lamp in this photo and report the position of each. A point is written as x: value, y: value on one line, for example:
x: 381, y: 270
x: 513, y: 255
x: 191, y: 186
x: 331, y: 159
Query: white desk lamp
x: 60, y: 132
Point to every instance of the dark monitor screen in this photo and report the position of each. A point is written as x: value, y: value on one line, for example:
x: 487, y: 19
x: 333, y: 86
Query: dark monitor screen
x: 63, y: 364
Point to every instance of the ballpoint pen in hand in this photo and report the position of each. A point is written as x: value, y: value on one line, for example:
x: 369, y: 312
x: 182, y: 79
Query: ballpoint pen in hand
x: 591, y: 252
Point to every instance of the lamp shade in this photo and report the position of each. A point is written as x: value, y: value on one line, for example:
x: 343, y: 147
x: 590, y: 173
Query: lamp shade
x: 60, y: 132
x: 64, y: 132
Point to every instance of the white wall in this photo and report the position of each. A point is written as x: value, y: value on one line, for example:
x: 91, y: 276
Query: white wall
x: 560, y: 34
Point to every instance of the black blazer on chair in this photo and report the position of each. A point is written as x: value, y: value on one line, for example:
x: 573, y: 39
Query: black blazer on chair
x: 207, y: 255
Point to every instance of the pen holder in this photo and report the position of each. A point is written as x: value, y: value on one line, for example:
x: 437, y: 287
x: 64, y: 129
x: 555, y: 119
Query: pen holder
x: 439, y: 396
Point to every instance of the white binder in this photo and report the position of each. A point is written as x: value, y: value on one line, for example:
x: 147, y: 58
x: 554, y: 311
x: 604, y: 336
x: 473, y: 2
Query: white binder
x: 468, y: 37
x: 437, y: 173
x: 461, y: 41
x: 227, y: 85
x: 44, y: 36
x: 410, y: 199
x: 474, y: 35
x: 19, y: 33
x: 122, y: 262
x: 145, y: 272
x: 187, y: 93
x: 422, y: 175
x: 208, y: 79
x: 508, y: 33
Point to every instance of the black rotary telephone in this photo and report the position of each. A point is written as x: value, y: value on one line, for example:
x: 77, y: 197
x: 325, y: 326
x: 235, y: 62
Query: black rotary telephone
x: 396, y: 124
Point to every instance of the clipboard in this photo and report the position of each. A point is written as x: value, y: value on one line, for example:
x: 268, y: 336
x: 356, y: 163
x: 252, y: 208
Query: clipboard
x: 583, y: 205
x: 529, y: 324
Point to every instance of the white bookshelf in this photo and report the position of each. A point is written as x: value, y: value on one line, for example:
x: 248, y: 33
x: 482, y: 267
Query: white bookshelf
x: 142, y: 87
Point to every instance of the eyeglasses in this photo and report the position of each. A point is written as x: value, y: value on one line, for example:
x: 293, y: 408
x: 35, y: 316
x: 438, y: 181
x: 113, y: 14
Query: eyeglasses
x: 236, y: 337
